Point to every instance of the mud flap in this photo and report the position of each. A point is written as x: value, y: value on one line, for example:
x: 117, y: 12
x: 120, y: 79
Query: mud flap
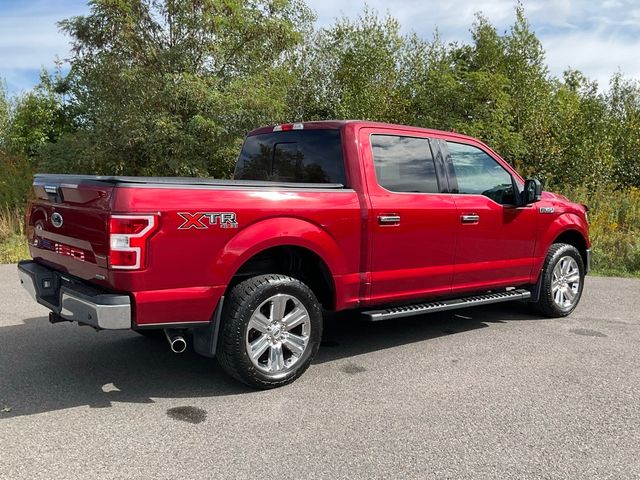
x: 205, y: 339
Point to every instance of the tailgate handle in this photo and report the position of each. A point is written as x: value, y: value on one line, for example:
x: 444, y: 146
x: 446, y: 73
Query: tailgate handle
x: 54, y: 193
x: 390, y: 219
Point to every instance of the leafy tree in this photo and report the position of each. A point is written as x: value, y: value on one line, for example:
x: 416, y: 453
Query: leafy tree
x: 37, y: 119
x: 170, y: 87
x: 4, y: 115
x: 15, y: 180
x: 623, y: 104
x: 350, y: 70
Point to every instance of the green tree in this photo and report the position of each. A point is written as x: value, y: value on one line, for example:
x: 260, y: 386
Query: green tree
x: 170, y: 87
x: 486, y: 106
x: 350, y: 70
x: 4, y: 114
x: 37, y: 119
x: 15, y: 180
x: 623, y: 104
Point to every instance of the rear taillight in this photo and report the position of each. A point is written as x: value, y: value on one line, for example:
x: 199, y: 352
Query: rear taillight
x: 128, y: 235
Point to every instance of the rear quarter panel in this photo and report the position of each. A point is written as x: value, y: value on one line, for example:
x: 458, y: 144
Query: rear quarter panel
x: 197, y: 264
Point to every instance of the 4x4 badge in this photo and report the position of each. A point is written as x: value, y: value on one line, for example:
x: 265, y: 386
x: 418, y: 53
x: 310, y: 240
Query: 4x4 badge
x: 202, y: 220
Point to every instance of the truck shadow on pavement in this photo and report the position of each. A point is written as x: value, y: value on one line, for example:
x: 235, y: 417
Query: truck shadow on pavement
x: 46, y: 367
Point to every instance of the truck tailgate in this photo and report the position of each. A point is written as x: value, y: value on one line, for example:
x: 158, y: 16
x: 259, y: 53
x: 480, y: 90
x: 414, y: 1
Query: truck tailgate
x: 67, y: 224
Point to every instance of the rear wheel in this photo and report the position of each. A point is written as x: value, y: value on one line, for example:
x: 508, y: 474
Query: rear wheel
x: 271, y: 330
x: 562, y: 281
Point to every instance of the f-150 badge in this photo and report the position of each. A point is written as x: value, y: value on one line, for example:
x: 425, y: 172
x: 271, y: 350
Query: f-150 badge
x: 202, y: 220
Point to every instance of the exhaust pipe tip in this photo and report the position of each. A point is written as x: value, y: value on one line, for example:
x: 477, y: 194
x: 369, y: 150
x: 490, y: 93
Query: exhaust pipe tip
x: 177, y: 343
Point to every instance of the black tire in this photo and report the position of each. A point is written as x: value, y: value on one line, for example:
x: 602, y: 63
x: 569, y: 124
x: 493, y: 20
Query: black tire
x: 241, y: 303
x: 546, y: 304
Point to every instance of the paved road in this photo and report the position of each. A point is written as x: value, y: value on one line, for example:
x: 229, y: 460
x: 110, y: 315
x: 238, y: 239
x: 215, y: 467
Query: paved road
x: 479, y: 393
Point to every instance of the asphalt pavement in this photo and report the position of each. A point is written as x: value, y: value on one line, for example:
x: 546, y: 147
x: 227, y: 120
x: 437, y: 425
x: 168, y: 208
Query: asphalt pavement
x: 489, y: 392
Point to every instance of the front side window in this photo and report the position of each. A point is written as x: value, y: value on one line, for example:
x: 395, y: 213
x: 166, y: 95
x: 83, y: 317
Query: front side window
x: 300, y: 156
x: 479, y: 174
x: 404, y: 164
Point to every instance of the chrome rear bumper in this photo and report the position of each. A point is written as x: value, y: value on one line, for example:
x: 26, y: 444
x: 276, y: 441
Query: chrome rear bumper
x: 74, y: 300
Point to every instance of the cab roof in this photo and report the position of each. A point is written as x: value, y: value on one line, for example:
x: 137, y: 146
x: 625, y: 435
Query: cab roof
x: 340, y: 124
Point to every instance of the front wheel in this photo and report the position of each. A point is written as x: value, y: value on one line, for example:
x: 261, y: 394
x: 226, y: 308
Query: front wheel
x: 562, y: 281
x: 271, y: 330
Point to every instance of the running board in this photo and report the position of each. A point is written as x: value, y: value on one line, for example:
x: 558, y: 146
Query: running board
x: 451, y: 304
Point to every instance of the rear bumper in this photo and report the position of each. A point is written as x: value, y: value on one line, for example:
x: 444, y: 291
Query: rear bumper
x: 75, y: 300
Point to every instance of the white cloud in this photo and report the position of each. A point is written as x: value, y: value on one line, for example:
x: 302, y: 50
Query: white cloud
x: 599, y: 57
x: 30, y: 39
x: 597, y: 38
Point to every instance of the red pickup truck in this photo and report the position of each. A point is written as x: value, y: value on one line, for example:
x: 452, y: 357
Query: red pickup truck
x: 388, y: 220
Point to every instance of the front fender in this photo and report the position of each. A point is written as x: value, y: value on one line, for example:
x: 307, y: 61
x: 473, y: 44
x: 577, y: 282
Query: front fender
x: 275, y: 232
x: 565, y: 222
x: 561, y: 224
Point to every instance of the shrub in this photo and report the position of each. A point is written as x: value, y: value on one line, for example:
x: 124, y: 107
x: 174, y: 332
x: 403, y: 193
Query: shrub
x: 614, y: 224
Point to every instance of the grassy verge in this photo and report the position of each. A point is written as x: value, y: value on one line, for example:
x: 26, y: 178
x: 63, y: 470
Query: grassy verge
x: 614, y: 228
x: 13, y: 245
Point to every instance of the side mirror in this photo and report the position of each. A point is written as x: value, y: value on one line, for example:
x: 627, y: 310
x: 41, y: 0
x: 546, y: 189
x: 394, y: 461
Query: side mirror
x: 532, y: 191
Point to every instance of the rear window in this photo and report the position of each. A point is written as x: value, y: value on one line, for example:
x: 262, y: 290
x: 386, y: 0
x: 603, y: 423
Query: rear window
x: 299, y: 156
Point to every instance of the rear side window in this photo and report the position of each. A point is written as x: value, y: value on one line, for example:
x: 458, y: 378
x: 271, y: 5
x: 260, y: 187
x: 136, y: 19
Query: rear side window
x: 478, y: 173
x: 299, y: 156
x: 404, y: 164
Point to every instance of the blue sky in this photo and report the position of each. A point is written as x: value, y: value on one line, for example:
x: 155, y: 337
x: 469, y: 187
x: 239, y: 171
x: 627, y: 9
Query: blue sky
x: 596, y: 37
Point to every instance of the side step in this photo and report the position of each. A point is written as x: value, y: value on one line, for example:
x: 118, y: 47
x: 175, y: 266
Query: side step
x: 451, y: 304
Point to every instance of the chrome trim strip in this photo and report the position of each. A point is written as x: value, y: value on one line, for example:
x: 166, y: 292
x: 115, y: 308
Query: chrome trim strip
x: 151, y: 326
x: 587, y: 267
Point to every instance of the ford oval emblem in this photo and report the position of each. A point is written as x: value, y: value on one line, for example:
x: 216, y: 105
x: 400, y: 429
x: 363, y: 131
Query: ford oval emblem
x: 57, y: 220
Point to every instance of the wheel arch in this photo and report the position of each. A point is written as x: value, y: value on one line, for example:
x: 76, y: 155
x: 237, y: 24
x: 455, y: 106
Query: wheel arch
x: 288, y: 246
x: 294, y: 261
x: 575, y: 238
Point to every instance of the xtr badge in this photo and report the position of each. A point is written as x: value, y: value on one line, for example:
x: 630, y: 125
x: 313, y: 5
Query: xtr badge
x: 202, y: 220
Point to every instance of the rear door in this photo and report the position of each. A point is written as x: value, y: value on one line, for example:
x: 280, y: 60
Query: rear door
x: 496, y: 238
x: 413, y: 220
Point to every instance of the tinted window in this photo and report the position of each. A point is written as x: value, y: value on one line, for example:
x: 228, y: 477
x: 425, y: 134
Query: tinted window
x: 307, y: 156
x: 478, y: 173
x: 404, y: 164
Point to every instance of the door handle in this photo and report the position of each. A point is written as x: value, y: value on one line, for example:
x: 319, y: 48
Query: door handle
x: 390, y: 219
x: 470, y: 218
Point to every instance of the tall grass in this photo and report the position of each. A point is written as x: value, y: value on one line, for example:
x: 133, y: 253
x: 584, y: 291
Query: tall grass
x: 614, y: 228
x: 13, y: 244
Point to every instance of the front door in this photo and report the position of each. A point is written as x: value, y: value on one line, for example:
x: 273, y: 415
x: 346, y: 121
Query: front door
x: 496, y: 239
